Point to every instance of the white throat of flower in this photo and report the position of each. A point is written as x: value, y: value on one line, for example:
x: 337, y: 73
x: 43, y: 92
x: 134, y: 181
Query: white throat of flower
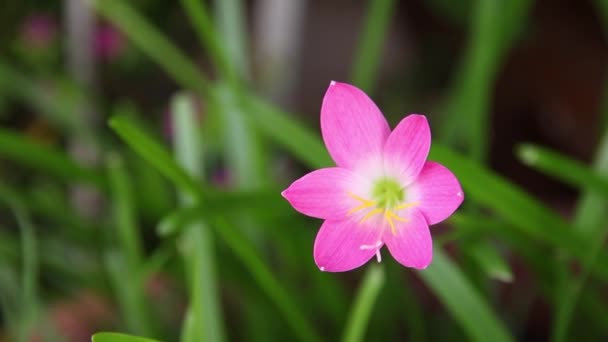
x: 388, y: 198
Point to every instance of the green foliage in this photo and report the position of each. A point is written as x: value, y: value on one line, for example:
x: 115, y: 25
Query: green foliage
x: 236, y: 254
x: 117, y: 337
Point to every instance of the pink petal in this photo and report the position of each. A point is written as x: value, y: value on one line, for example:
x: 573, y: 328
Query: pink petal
x: 437, y: 191
x: 344, y: 245
x: 324, y: 193
x: 407, y: 148
x: 352, y: 126
x: 411, y: 245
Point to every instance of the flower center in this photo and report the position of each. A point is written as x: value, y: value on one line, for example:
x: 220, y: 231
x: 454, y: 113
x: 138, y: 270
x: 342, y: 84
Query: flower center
x: 387, y: 193
x: 388, y: 196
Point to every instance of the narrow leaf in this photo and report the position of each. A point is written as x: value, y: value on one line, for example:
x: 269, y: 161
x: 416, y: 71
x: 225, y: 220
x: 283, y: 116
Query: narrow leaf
x: 117, y: 337
x: 153, y: 152
x: 462, y: 300
x: 364, y: 303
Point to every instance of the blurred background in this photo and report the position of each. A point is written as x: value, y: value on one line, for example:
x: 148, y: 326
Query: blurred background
x: 144, y: 145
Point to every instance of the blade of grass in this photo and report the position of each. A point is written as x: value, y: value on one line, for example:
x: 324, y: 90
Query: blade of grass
x: 563, y: 168
x: 462, y: 300
x: 117, y: 337
x: 493, y: 23
x: 197, y: 250
x: 45, y: 158
x: 510, y: 202
x: 196, y: 242
x: 244, y: 150
x: 491, y: 262
x: 231, y: 25
x: 365, y: 298
x: 124, y: 211
x: 9, y: 299
x: 589, y: 220
x: 130, y: 293
x: 300, y: 141
x: 153, y: 43
x: 153, y: 152
x: 124, y: 263
x: 265, y: 279
x: 29, y: 304
x: 201, y: 21
x: 367, y: 56
x: 245, y: 155
x: 57, y: 105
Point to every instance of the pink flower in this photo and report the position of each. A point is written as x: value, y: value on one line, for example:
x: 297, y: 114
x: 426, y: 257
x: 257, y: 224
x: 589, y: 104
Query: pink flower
x: 382, y: 191
x: 109, y: 42
x: 38, y: 31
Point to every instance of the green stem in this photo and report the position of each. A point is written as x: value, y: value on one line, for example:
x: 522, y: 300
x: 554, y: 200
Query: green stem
x: 249, y: 257
x: 30, y: 271
x: 124, y: 211
x: 364, y: 303
x: 196, y: 241
x: 367, y: 56
x: 589, y: 220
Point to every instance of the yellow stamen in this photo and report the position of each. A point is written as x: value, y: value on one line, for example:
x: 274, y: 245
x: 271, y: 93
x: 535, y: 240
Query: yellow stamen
x: 389, y: 214
x: 371, y: 213
x: 406, y: 205
x: 366, y: 204
x: 396, y: 217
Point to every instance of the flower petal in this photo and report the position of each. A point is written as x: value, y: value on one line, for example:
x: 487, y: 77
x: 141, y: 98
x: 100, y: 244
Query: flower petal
x: 324, y: 193
x: 407, y: 147
x: 437, y: 191
x: 344, y: 245
x: 352, y: 126
x: 411, y: 245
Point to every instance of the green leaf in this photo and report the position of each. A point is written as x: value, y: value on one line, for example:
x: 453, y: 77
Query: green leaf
x: 490, y: 37
x: 117, y: 337
x: 243, y: 148
x: 507, y: 200
x: 490, y: 261
x: 265, y: 279
x: 153, y: 43
x: 462, y: 300
x: 364, y: 303
x: 196, y: 246
x: 196, y: 241
x: 367, y: 56
x: 129, y: 291
x: 288, y: 132
x: 30, y: 269
x: 153, y: 152
x: 123, y: 210
x: 58, y: 105
x: 20, y: 149
x: 563, y: 168
x: 589, y: 221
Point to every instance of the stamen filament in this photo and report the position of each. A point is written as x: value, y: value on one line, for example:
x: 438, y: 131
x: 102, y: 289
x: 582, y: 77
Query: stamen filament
x: 389, y: 214
x: 366, y: 204
x: 370, y: 214
x: 406, y: 205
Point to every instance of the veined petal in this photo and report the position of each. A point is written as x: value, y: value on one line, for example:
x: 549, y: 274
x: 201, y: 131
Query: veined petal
x: 407, y: 148
x: 344, y: 245
x: 324, y: 193
x: 437, y: 192
x: 411, y: 244
x: 353, y: 128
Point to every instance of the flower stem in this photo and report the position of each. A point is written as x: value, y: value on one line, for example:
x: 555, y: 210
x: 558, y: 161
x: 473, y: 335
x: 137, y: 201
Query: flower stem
x: 196, y: 241
x: 364, y: 303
